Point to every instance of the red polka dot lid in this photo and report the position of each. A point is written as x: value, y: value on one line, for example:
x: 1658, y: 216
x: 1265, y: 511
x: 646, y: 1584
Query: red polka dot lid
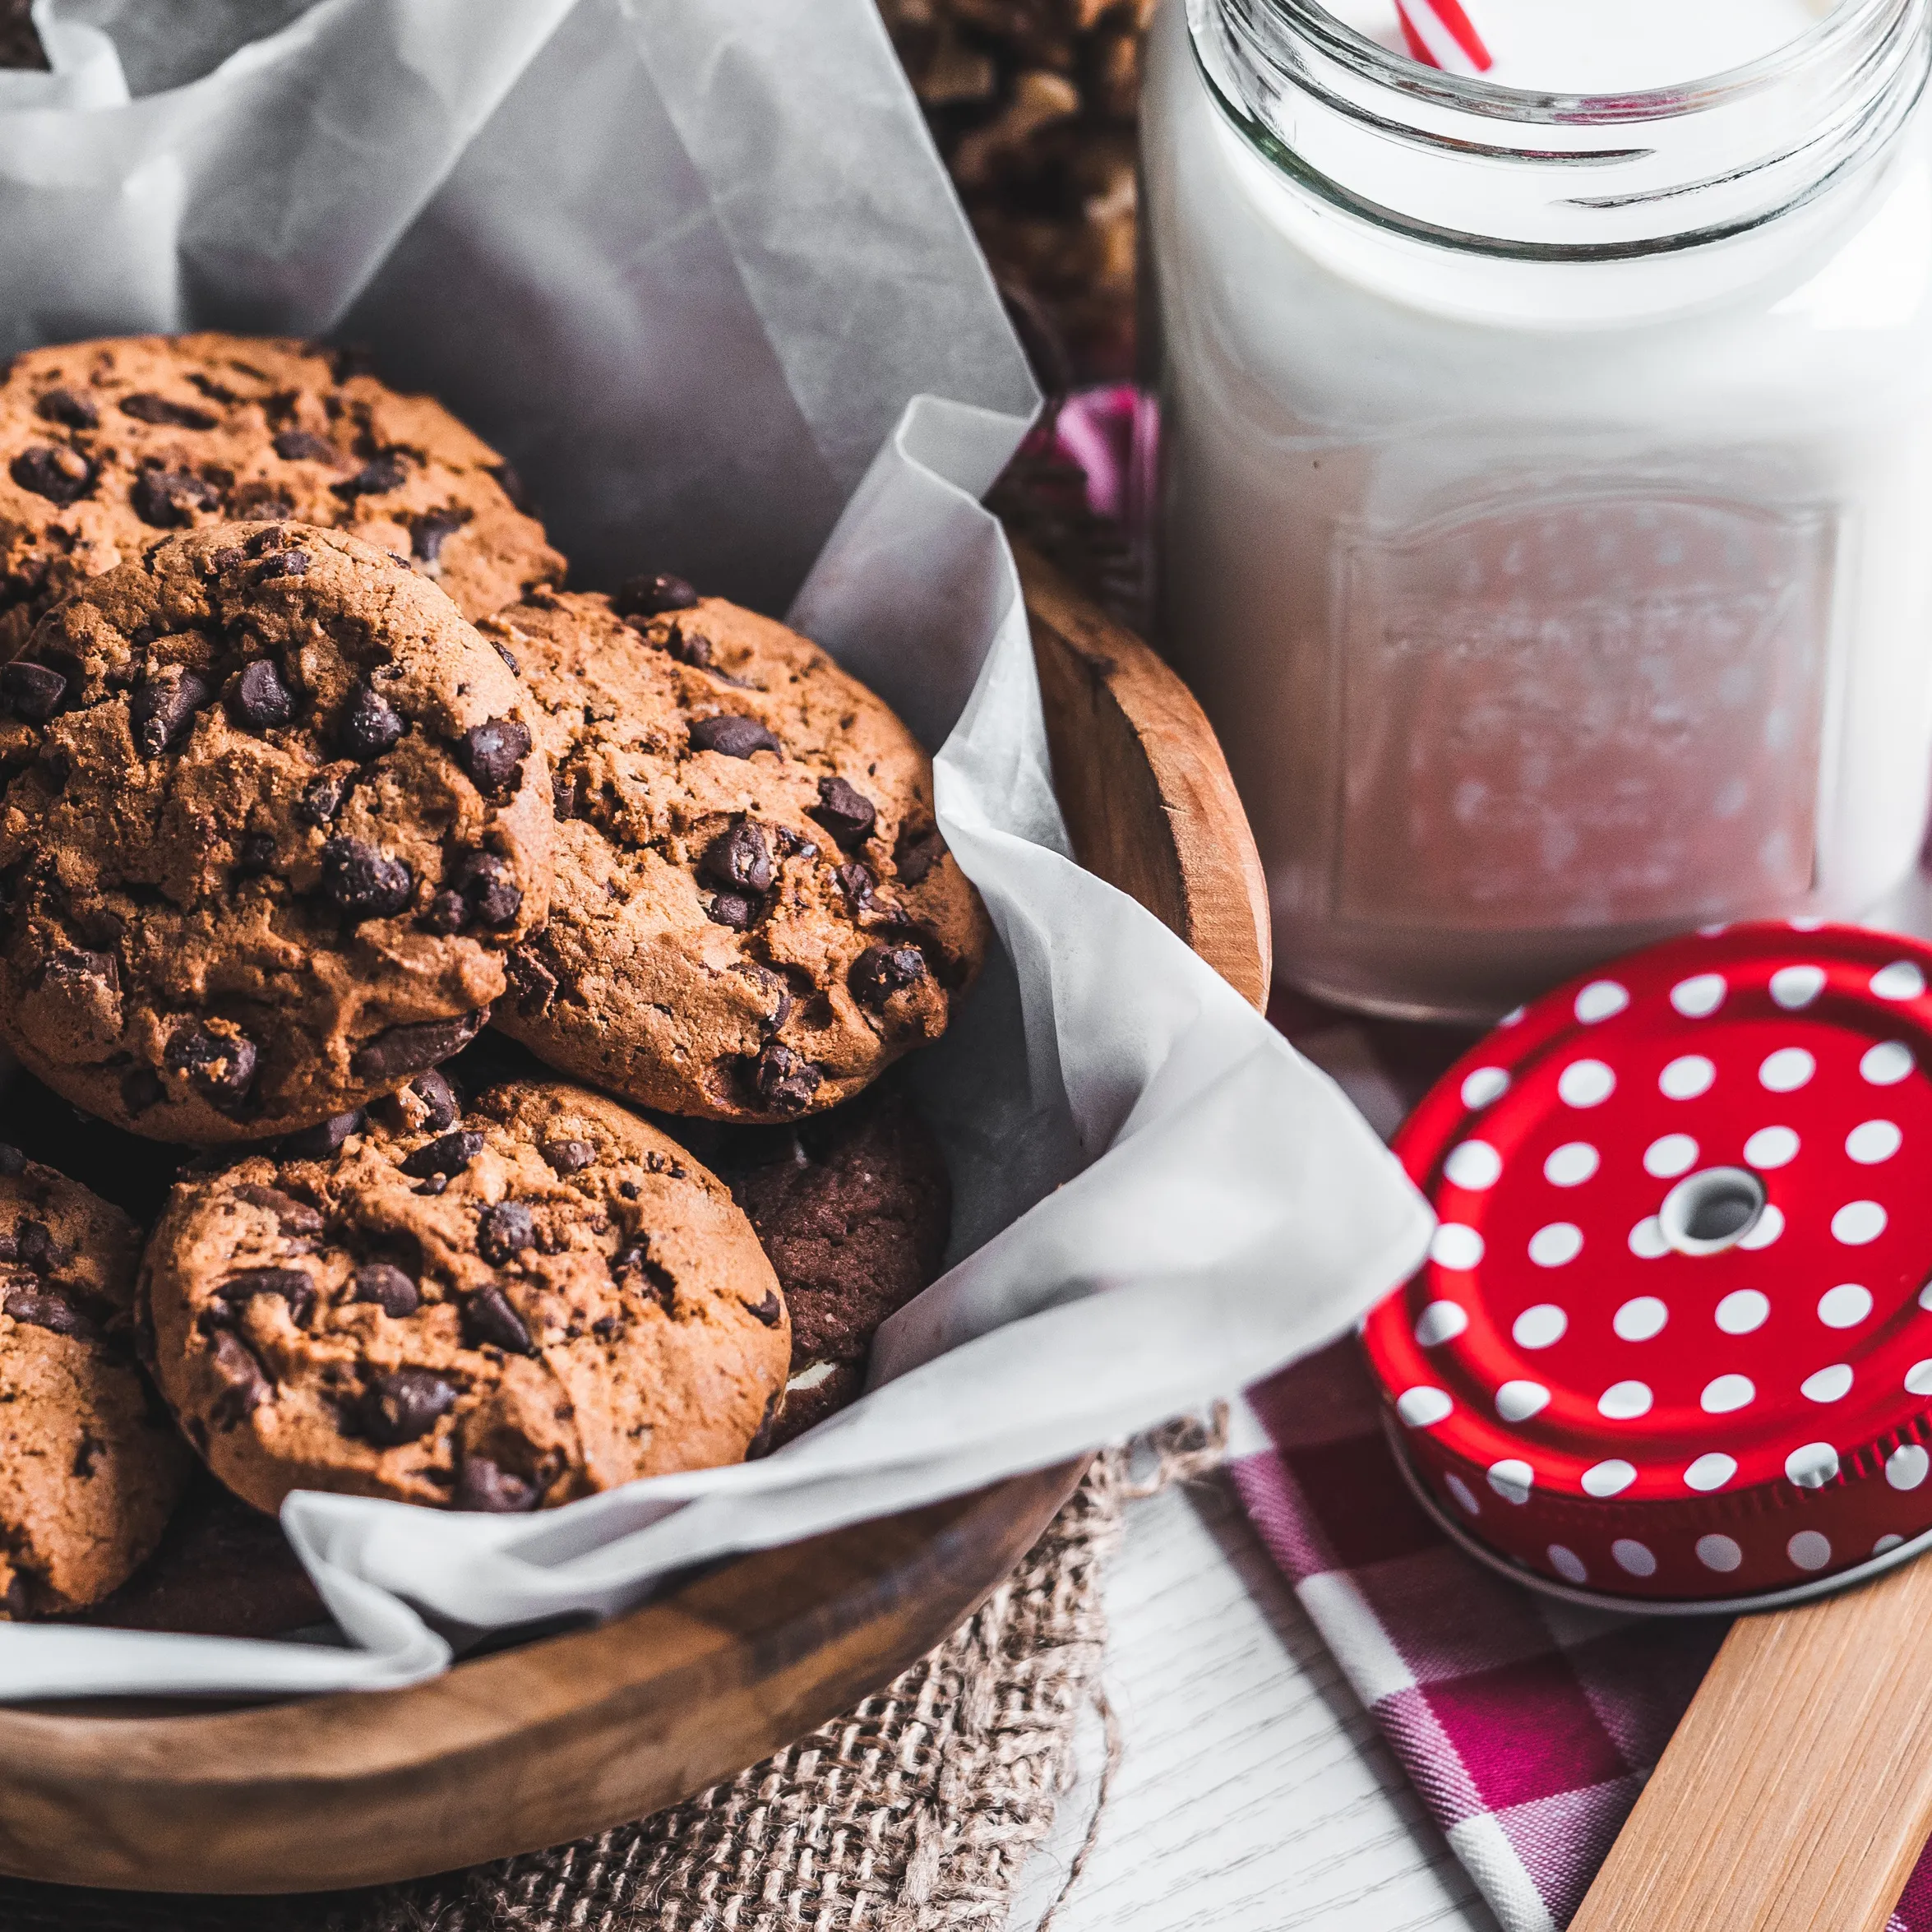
x: 1673, y: 1340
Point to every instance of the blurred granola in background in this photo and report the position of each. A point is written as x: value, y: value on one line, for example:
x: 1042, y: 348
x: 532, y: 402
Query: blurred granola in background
x: 1032, y: 104
x: 20, y: 45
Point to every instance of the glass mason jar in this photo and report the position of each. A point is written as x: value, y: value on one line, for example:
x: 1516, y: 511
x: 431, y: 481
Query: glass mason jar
x: 1546, y: 488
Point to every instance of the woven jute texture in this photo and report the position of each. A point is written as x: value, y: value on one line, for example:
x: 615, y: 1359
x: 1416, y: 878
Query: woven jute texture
x: 912, y: 1813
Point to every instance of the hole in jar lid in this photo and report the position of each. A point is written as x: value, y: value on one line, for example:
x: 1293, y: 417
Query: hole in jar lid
x: 1712, y: 1211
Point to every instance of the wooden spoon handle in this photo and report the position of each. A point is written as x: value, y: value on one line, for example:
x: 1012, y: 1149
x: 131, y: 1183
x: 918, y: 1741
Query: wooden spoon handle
x: 1797, y: 1792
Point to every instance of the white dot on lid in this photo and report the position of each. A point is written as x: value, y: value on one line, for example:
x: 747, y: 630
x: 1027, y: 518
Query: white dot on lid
x: 1857, y: 1222
x: 1560, y: 1242
x: 1463, y: 1493
x: 1830, y: 1384
x: 1723, y: 1393
x: 1926, y: 1295
x: 1770, y: 1226
x: 1808, y: 1550
x: 1743, y: 1311
x: 1885, y: 1543
x: 1639, y: 1319
x: 1571, y: 1164
x: 1623, y: 1402
x: 1517, y: 1401
x: 1686, y: 1077
x: 1475, y: 1165
x: 1700, y: 995
x: 1902, y: 980
x: 1711, y: 1471
x: 1716, y: 931
x: 1805, y: 923
x: 1440, y: 1321
x: 1670, y: 1155
x: 1770, y: 1147
x: 1567, y: 1564
x: 1918, y: 1379
x: 1812, y: 1465
x: 1646, y: 1239
x: 1512, y: 1479
x: 1907, y: 1466
x: 1634, y: 1556
x: 1785, y: 1070
x: 1586, y: 1082
x: 1485, y: 1084
x: 1718, y: 1552
x: 1455, y: 1245
x: 1513, y: 1017
x: 1610, y: 1478
x: 1844, y: 1307
x: 1602, y: 999
x: 1872, y: 1141
x: 1794, y: 987
x: 1422, y: 1406
x: 1886, y: 1063
x: 1538, y: 1327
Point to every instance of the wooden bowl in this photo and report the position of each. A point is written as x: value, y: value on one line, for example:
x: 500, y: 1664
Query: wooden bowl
x: 570, y: 1735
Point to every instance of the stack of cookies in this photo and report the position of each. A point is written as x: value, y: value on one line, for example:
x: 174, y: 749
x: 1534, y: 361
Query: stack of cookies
x: 311, y: 772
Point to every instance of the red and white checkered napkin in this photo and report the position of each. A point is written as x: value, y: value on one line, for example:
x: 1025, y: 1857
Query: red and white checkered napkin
x: 1528, y: 1726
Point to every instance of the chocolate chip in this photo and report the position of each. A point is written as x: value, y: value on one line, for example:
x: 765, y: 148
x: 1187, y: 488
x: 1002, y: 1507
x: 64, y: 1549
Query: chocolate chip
x: 918, y: 852
x: 261, y: 698
x: 492, y: 754
x: 42, y: 1308
x: 16, y: 1601
x: 686, y: 646
x: 285, y: 563
x: 739, y: 860
x: 847, y: 815
x: 71, y: 411
x: 563, y: 797
x: 439, y: 1096
x: 370, y: 726
x: 734, y: 737
x: 389, y: 1288
x: 33, y: 1244
x: 409, y: 1049
x: 489, y: 1321
x: 320, y: 1143
x: 168, y: 499
x: 568, y: 1157
x: 348, y: 360
x: 403, y: 1406
x: 435, y: 1185
x: 760, y: 1442
x: 606, y: 1327
x: 376, y: 478
x: 505, y: 1230
x: 448, y: 914
x: 771, y: 1311
x: 146, y: 408
x: 879, y: 972
x: 532, y: 983
x: 503, y: 651
x: 784, y: 1079
x: 231, y: 556
x: 12, y: 1161
x: 260, y: 502
x: 255, y: 855
x: 60, y: 475
x: 246, y: 1386
x: 512, y: 486
x: 302, y: 446
x: 362, y: 883
x: 162, y: 708
x: 652, y: 596
x: 733, y: 910
x: 482, y: 1486
x: 429, y: 532
x: 857, y: 883
x: 322, y: 798
x: 293, y: 1216
x: 450, y: 1154
x: 291, y: 1284
x: 31, y: 691
x: 85, y: 1451
x: 142, y: 1088
x: 221, y: 1068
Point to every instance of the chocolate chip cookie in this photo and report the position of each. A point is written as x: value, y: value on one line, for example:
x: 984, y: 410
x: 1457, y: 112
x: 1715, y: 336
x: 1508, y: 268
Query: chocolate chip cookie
x: 106, y: 445
x: 544, y: 1298
x: 754, y: 913
x: 853, y: 1207
x: 272, y: 819
x: 89, y: 1468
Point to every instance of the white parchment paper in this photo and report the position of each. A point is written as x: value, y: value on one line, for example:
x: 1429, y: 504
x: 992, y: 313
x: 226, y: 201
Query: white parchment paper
x: 694, y: 264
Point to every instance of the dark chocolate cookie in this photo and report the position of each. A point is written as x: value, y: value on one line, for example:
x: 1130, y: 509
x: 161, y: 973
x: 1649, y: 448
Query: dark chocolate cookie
x: 754, y: 914
x: 540, y: 1299
x: 106, y: 445
x: 273, y: 819
x: 90, y: 1468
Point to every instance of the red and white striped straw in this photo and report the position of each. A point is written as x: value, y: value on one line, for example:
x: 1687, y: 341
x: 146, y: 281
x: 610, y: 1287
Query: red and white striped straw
x: 1441, y: 34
